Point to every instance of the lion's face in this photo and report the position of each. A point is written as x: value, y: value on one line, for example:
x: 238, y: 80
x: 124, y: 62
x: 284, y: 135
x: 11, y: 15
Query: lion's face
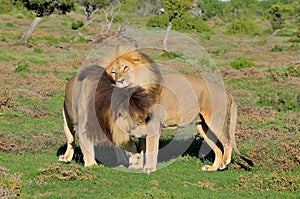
x: 131, y: 70
x: 121, y: 72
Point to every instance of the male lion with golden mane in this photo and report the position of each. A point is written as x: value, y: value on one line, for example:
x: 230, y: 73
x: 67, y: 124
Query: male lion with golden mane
x: 92, y: 101
x: 183, y: 100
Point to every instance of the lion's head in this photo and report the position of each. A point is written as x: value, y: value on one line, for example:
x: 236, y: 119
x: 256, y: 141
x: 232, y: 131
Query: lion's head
x: 131, y: 68
x: 137, y: 82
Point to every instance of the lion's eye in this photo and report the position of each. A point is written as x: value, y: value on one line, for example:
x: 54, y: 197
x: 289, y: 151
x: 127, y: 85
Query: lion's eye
x: 125, y: 68
x: 113, y: 74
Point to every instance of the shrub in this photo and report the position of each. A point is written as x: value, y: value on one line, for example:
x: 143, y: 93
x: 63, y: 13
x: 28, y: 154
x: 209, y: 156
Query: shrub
x: 37, y: 50
x: 242, y: 62
x: 9, y: 24
x: 286, y: 33
x: 117, y: 18
x: 160, y: 21
x: 294, y: 47
x: 296, y: 38
x: 77, y: 24
x: 242, y: 27
x: 190, y: 23
x: 184, y: 23
x: 277, y: 48
x: 22, y: 66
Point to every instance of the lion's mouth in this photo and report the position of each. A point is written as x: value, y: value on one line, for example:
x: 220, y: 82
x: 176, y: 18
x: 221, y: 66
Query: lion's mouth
x: 122, y: 84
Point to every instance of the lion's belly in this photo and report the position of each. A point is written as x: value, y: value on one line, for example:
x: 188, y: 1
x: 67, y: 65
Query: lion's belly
x: 179, y: 101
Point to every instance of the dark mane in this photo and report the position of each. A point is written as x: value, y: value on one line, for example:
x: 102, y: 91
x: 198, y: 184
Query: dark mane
x: 136, y: 101
x: 105, y: 100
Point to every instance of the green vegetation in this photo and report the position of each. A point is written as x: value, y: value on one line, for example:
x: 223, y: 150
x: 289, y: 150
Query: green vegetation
x: 184, y: 23
x: 242, y: 62
x: 242, y: 27
x: 77, y: 24
x: 160, y: 21
x: 262, y: 76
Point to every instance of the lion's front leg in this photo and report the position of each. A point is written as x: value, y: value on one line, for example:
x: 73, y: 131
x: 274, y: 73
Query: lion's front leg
x: 151, y: 153
x: 87, y: 148
x: 67, y: 157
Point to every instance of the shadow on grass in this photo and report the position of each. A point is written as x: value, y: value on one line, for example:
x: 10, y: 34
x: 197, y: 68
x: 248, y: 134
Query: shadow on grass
x: 169, y: 149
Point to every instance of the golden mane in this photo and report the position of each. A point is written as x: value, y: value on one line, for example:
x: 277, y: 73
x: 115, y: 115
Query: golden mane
x: 117, y: 52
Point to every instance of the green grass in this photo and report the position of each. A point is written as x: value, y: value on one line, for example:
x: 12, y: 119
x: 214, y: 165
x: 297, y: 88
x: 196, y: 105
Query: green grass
x: 181, y: 179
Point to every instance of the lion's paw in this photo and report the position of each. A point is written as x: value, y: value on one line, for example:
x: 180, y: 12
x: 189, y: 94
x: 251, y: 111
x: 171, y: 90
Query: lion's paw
x: 148, y: 170
x: 222, y: 167
x: 209, y: 168
x: 63, y: 158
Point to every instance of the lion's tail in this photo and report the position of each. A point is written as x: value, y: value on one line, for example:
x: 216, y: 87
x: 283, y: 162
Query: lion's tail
x: 232, y: 130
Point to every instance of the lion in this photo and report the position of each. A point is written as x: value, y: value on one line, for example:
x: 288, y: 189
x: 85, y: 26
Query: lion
x: 183, y: 100
x: 92, y: 100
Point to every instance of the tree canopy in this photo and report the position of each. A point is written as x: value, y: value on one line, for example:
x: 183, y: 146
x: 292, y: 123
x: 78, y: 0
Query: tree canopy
x: 43, y: 8
x: 176, y: 8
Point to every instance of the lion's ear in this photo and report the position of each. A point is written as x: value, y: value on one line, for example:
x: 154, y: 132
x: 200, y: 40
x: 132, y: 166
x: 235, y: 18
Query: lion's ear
x: 119, y: 114
x: 136, y: 57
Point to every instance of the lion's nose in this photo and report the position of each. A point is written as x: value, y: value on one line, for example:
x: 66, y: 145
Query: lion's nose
x: 121, y: 81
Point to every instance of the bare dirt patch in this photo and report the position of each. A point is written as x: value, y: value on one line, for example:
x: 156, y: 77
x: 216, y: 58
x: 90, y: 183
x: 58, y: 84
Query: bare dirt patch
x: 10, y: 184
x: 65, y: 174
x: 229, y: 73
x: 27, y: 142
x: 273, y: 182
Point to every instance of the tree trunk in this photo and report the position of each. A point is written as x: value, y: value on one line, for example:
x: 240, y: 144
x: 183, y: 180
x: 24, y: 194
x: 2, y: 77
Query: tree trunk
x: 273, y: 35
x: 90, y: 16
x: 29, y: 31
x: 166, y: 36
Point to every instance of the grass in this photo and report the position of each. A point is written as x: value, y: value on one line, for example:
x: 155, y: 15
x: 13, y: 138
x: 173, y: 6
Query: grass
x: 32, y: 87
x: 186, y: 180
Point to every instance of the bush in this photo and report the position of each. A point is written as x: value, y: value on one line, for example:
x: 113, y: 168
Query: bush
x: 22, y: 66
x: 296, y: 38
x: 242, y: 27
x: 277, y: 48
x: 6, y: 6
x: 190, y: 23
x: 116, y: 19
x: 184, y: 23
x: 242, y: 62
x: 160, y: 21
x: 77, y: 24
x: 286, y: 33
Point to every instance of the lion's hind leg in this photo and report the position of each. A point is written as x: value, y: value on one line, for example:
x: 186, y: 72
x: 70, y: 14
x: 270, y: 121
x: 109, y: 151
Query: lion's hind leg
x: 229, y: 132
x: 67, y: 157
x: 213, y: 144
x: 226, y: 156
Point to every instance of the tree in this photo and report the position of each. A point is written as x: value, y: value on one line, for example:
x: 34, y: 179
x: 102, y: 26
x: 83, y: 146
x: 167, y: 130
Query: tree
x: 91, y: 7
x: 276, y: 19
x: 210, y: 8
x: 41, y: 8
x: 110, y: 14
x: 147, y: 7
x: 175, y: 9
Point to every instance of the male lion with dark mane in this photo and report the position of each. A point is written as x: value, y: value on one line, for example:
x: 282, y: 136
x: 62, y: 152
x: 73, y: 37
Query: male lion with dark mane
x: 92, y: 102
x: 183, y: 100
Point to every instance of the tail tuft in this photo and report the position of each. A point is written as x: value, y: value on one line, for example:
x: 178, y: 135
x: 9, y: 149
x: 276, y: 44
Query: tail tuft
x: 248, y: 160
